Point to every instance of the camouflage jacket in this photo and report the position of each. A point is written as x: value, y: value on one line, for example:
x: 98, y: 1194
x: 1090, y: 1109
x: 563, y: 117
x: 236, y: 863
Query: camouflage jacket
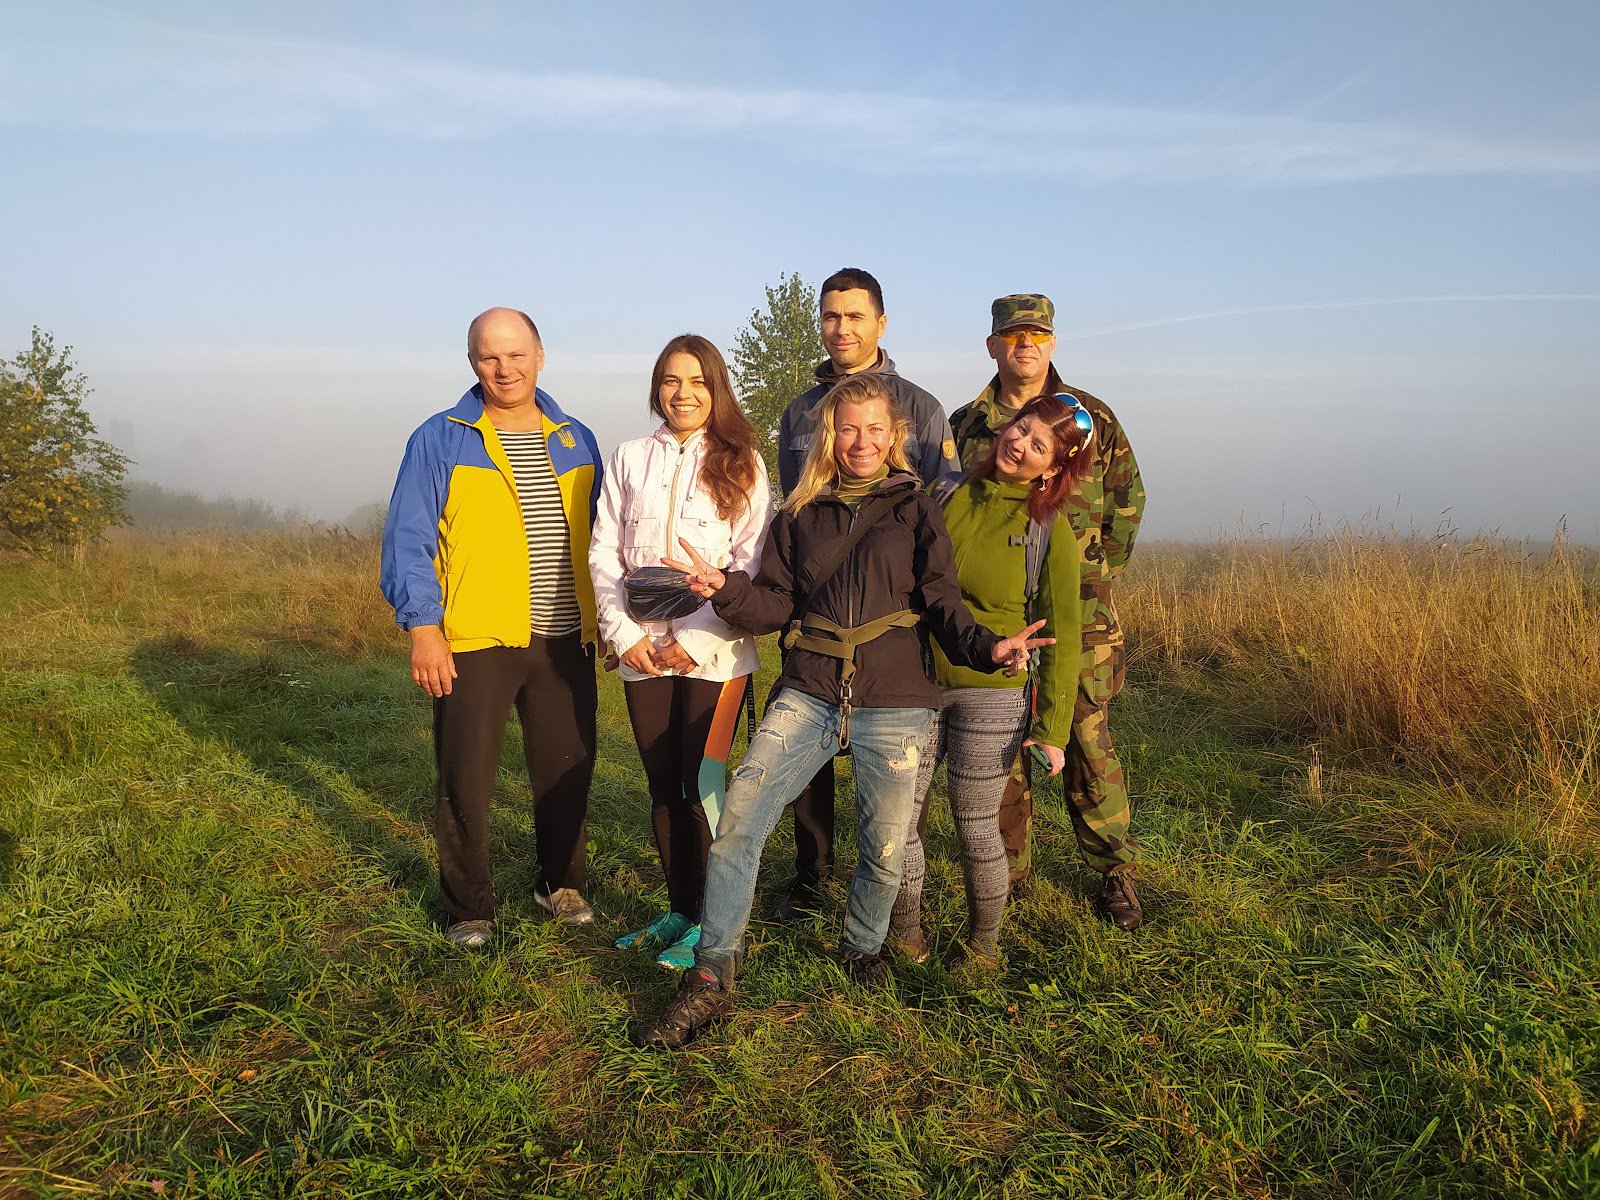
x: 1104, y: 508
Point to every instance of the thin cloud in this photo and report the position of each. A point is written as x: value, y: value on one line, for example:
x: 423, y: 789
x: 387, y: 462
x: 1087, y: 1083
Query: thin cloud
x: 1320, y: 306
x: 141, y: 79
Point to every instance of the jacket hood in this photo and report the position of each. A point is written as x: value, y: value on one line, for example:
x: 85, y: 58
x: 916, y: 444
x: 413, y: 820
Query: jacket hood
x: 825, y: 372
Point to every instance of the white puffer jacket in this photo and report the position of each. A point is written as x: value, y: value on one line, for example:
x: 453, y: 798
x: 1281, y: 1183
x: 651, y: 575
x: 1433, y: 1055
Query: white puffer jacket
x: 651, y: 497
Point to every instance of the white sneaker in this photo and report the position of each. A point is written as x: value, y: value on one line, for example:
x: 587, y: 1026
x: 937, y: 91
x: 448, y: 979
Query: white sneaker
x: 567, y: 905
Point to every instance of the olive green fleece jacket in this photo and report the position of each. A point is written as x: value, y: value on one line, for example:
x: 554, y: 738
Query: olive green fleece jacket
x: 987, y: 520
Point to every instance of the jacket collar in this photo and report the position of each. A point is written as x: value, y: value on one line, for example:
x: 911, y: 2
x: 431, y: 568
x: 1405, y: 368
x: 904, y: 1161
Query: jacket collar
x: 986, y: 399
x: 825, y: 372
x: 664, y: 435
x: 469, y: 409
x: 898, y: 481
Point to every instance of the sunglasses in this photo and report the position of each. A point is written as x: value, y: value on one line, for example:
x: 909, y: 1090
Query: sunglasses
x: 1080, y: 414
x: 1015, y: 337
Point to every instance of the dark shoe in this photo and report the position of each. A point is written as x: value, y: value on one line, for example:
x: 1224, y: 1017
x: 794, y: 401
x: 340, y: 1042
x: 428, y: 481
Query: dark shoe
x: 1119, y: 903
x: 913, y: 947
x: 470, y: 935
x: 869, y: 970
x: 699, y: 1003
x: 799, y: 903
x: 973, y: 964
x: 1019, y: 884
x: 566, y: 905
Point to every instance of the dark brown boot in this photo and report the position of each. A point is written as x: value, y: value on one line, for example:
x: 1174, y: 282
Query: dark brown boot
x: 699, y: 1003
x: 1119, y: 903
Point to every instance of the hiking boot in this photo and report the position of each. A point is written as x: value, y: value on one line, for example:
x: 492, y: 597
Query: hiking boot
x: 1119, y: 903
x: 799, y: 903
x: 699, y: 1002
x: 869, y: 970
x: 566, y: 905
x: 663, y: 931
x: 470, y: 935
x: 1019, y: 884
x: 913, y: 947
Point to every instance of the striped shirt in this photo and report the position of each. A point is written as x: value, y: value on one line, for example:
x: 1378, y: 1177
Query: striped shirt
x: 552, y: 593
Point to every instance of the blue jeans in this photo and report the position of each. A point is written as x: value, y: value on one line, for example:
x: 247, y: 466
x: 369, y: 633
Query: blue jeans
x: 799, y: 734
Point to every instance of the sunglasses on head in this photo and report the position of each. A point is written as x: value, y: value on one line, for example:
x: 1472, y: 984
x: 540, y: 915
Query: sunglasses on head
x: 1080, y: 414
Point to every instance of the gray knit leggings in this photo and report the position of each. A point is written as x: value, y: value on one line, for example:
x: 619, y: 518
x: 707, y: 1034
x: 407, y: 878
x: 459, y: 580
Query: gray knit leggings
x: 977, y: 731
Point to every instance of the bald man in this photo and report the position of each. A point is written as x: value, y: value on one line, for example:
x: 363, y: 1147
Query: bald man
x: 485, y: 561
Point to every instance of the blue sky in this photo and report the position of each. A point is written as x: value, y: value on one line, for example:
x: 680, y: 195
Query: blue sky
x: 1324, y: 261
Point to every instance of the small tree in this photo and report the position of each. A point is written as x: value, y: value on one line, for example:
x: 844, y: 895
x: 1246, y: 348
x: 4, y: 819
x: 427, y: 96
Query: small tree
x: 774, y: 356
x: 60, y: 485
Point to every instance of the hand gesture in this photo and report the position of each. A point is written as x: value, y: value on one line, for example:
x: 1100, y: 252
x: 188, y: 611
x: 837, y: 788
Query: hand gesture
x: 704, y: 579
x: 1054, y: 754
x: 1013, y: 651
x: 670, y: 656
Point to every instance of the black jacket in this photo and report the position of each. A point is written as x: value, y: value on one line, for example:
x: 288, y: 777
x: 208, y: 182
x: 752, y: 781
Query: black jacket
x: 903, y: 561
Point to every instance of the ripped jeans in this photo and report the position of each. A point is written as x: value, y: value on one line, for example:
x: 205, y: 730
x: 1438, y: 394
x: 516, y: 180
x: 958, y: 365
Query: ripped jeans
x: 798, y: 734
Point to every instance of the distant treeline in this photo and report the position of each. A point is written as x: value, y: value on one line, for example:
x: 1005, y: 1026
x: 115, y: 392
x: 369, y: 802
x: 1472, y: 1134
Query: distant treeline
x: 150, y: 504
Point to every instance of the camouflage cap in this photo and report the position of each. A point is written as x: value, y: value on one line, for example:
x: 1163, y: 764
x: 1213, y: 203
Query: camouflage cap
x: 1026, y: 309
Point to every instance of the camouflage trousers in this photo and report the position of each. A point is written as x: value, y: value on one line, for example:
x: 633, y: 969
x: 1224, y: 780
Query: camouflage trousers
x: 1097, y: 793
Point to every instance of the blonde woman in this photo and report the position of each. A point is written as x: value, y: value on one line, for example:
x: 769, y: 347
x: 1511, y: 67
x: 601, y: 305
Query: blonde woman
x: 858, y: 572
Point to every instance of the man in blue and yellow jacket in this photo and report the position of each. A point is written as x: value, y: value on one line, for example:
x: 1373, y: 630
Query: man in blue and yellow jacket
x: 485, y: 560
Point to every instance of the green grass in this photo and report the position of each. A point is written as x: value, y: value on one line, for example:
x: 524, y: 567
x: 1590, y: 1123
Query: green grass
x: 220, y: 970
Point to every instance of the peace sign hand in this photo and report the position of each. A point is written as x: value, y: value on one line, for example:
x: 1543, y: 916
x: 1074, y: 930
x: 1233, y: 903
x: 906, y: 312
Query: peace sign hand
x: 704, y: 579
x: 1012, y: 653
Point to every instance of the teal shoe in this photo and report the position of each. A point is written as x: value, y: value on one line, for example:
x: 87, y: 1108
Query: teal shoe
x: 663, y: 931
x: 680, y: 955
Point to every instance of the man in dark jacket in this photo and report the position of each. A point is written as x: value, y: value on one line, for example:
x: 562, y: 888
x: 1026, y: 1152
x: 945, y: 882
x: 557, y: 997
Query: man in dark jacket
x: 852, y: 317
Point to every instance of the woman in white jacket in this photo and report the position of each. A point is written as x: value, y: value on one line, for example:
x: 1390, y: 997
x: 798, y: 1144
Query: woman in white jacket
x: 699, y: 477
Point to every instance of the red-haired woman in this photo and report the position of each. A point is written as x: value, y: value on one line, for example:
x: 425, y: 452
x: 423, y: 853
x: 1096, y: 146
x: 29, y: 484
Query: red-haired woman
x: 997, y: 517
x: 700, y: 478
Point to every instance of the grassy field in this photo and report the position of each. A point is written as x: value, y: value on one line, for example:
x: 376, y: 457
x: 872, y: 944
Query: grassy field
x: 1365, y: 781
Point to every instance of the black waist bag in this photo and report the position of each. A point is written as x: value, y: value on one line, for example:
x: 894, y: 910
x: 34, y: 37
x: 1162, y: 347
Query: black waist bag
x: 659, y: 594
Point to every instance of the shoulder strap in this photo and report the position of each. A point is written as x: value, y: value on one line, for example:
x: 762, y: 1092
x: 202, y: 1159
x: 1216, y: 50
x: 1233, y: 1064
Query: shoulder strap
x: 942, y: 488
x: 867, y: 515
x: 1036, y: 543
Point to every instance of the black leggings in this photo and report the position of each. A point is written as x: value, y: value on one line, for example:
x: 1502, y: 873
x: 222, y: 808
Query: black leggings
x: 684, y: 728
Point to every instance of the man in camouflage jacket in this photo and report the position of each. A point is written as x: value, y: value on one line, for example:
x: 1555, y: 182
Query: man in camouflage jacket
x: 1104, y: 512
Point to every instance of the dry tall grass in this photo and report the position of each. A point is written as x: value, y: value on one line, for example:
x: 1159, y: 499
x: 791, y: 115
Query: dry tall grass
x: 1475, y: 658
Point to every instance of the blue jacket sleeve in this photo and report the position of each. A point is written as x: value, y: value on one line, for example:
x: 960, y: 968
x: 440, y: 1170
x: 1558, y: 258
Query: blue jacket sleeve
x: 411, y: 532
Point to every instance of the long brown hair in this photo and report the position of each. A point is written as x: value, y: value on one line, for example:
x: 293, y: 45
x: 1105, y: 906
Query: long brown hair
x: 820, y: 468
x: 1070, y: 460
x: 729, y: 470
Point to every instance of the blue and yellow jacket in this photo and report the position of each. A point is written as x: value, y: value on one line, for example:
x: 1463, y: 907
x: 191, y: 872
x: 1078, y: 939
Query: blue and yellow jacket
x: 454, y: 549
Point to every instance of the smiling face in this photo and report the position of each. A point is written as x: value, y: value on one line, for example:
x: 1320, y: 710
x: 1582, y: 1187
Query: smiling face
x: 506, y: 357
x: 684, y: 397
x: 862, y: 437
x: 851, y: 327
x: 1025, y: 451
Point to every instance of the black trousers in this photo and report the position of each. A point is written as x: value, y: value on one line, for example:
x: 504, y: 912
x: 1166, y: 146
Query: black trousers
x: 813, y: 829
x: 685, y: 729
x: 551, y: 685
